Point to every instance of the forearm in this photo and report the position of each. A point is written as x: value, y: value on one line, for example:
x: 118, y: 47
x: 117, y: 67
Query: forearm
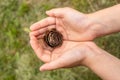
x: 104, y: 65
x: 108, y: 20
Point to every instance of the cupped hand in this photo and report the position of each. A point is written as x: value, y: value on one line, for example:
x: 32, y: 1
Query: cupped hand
x: 68, y: 55
x: 74, y: 26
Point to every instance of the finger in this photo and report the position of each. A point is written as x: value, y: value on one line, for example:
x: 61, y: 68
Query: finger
x: 58, y: 12
x: 36, y: 47
x: 52, y: 65
x: 41, y: 36
x: 43, y: 23
x: 51, y: 27
x: 64, y: 61
x: 62, y: 12
x: 39, y: 32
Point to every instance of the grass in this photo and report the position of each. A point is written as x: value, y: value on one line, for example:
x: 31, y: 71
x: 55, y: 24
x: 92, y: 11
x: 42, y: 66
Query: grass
x: 17, y: 59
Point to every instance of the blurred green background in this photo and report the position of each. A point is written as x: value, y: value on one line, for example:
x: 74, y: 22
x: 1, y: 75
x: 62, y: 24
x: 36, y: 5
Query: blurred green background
x: 17, y: 59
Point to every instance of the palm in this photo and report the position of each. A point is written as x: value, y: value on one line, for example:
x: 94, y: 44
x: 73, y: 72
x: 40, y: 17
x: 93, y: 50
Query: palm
x: 70, y: 28
x: 67, y: 49
x: 74, y: 25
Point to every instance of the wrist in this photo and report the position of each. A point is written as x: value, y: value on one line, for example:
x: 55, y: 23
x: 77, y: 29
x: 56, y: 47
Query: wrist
x: 103, y: 64
x: 97, y: 27
x: 93, y: 55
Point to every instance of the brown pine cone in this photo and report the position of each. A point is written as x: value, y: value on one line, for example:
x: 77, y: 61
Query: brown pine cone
x: 53, y: 38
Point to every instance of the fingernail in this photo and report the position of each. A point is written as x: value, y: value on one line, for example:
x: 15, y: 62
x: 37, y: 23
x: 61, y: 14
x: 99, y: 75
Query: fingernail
x: 47, y: 12
x: 41, y: 69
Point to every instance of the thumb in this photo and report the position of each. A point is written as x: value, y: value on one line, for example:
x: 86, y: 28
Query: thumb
x: 58, y: 12
x: 59, y: 63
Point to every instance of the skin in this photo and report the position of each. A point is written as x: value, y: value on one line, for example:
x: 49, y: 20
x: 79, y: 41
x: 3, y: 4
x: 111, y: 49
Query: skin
x: 78, y: 30
x: 74, y: 26
x: 110, y: 18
